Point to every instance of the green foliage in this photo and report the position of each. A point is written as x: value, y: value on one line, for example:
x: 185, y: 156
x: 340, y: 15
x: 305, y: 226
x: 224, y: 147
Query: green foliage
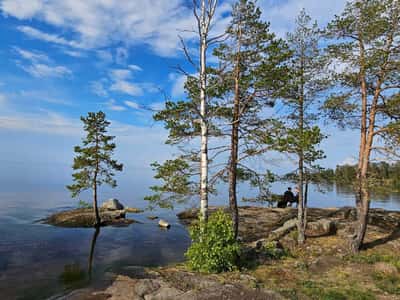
x: 364, y: 40
x: 176, y: 185
x: 214, y: 248
x: 93, y: 162
x: 84, y: 204
x: 271, y: 250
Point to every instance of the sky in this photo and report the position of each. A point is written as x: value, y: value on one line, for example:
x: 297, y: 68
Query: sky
x: 60, y: 59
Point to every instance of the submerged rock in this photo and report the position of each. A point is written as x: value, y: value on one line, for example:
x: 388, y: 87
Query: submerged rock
x: 164, y: 224
x: 112, y: 204
x: 133, y: 210
x: 84, y: 217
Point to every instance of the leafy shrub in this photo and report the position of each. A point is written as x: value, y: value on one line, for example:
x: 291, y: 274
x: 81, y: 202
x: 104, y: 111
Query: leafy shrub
x: 84, y: 204
x: 272, y: 251
x: 214, y: 248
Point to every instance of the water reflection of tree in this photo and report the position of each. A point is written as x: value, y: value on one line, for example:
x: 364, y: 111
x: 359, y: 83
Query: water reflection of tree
x: 92, y: 246
x: 74, y: 274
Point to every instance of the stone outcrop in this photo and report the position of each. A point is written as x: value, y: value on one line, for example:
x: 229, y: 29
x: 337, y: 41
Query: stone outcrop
x: 261, y: 223
x: 175, y: 284
x: 112, y: 204
x: 84, y: 217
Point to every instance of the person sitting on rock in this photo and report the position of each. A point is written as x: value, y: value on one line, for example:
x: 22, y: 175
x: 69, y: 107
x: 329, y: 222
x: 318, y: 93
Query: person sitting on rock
x: 296, y: 196
x: 288, y: 197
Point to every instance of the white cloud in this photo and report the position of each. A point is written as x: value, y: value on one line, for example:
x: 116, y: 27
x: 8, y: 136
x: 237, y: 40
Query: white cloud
x: 45, y: 122
x: 21, y: 9
x: 94, y: 24
x: 98, y: 88
x: 112, y: 105
x: 349, y: 161
x: 178, y: 85
x: 121, y: 84
x: 126, y: 87
x: 135, y: 68
x: 40, y: 65
x: 37, y: 34
x: 157, y: 106
x: 132, y: 104
x: 40, y: 70
x: 31, y: 55
x: 282, y: 14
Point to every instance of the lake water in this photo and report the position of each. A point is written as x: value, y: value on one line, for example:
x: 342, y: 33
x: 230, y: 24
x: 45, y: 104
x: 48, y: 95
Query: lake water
x: 38, y: 261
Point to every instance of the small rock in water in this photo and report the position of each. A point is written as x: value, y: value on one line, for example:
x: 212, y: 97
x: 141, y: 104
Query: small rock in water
x: 152, y: 217
x: 163, y: 223
x: 112, y: 204
x: 133, y: 210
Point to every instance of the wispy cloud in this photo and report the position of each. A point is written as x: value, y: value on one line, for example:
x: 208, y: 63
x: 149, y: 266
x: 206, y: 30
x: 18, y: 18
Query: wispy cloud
x: 112, y: 105
x: 94, y: 24
x: 97, y: 87
x: 132, y: 104
x: 39, y: 64
x: 37, y: 34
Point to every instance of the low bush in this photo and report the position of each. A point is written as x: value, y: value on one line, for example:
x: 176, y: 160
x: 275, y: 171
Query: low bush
x: 214, y: 248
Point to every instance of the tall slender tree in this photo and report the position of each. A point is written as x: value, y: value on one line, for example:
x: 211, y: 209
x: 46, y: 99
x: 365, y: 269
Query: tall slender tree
x: 187, y: 120
x: 367, y: 48
x: 252, y: 72
x: 302, y: 136
x: 93, y: 162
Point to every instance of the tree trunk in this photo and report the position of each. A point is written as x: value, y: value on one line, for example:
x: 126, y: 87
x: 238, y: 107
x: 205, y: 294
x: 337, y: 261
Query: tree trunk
x: 95, y: 208
x: 233, y: 161
x: 235, y: 142
x: 203, y: 116
x: 300, y: 207
x: 366, y: 142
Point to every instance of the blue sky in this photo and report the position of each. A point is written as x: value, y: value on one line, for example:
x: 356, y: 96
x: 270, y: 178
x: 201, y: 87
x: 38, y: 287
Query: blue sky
x: 63, y: 58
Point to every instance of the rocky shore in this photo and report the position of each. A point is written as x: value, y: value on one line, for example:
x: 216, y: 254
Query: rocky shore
x: 320, y: 269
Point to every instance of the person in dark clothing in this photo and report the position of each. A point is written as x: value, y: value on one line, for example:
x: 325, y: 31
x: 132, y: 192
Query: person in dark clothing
x: 288, y: 197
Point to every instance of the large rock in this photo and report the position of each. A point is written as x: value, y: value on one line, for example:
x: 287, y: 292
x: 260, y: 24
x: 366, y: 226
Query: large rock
x: 112, y: 204
x: 84, y: 217
x: 321, y: 228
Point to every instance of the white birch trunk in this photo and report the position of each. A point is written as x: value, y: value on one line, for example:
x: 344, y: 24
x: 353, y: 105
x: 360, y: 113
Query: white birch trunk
x: 204, y: 24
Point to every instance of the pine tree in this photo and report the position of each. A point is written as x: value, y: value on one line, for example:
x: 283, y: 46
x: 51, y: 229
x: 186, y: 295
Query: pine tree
x: 93, y: 163
x: 367, y: 91
x: 301, y: 136
x: 251, y: 73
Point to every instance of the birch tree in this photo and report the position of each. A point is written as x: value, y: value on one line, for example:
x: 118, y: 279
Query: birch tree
x: 366, y: 47
x: 187, y: 120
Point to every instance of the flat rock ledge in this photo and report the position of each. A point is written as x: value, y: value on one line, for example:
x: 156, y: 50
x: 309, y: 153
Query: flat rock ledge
x: 259, y: 223
x: 176, y: 284
x: 83, y: 217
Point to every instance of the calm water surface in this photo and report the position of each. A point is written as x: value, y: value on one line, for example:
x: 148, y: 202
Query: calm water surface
x: 38, y: 261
